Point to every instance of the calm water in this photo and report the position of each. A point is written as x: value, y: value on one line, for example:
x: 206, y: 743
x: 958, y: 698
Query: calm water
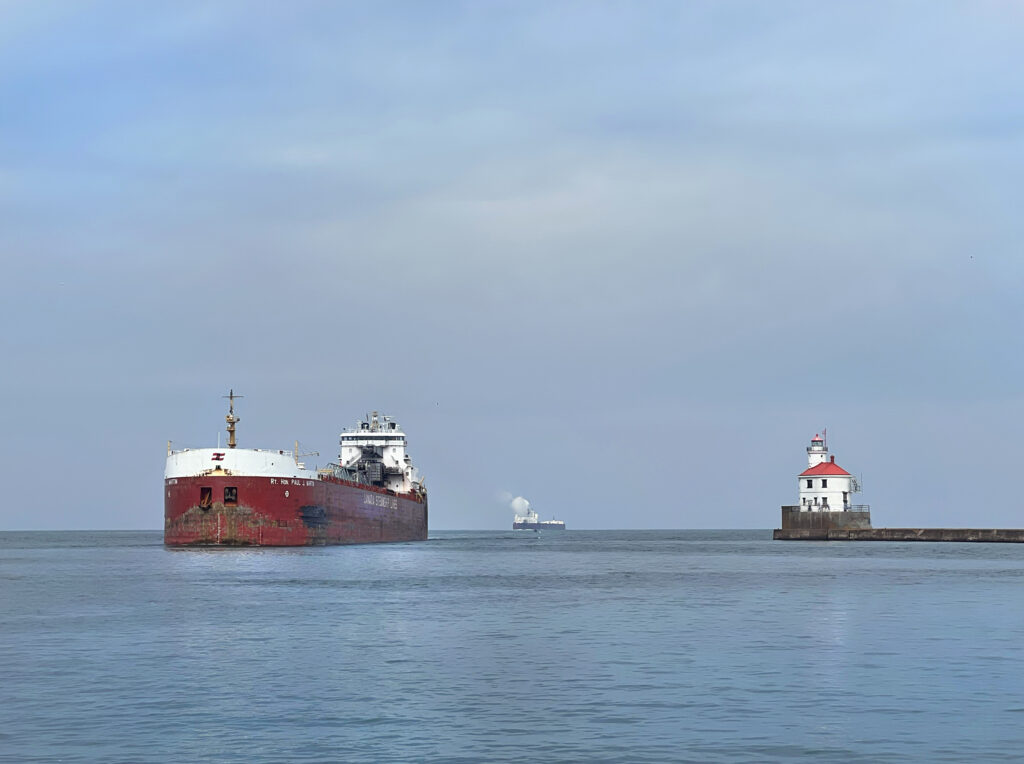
x: 500, y: 647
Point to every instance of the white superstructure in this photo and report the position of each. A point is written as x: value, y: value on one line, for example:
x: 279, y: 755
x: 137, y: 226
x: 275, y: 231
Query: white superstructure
x: 376, y: 448
x: 825, y: 486
x: 373, y: 452
x: 529, y: 517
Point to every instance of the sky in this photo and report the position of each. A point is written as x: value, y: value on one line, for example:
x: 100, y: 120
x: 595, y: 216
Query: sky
x: 623, y: 259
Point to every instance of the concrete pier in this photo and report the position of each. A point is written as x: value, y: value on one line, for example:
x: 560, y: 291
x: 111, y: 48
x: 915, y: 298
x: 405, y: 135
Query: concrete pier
x: 989, y: 535
x: 856, y: 526
x: 793, y: 519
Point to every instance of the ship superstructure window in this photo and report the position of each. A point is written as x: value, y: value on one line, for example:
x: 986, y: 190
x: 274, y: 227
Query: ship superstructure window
x: 809, y: 483
x: 824, y: 483
x: 205, y: 496
x: 230, y: 495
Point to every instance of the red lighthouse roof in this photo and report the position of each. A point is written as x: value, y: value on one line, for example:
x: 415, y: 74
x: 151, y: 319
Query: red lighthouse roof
x: 825, y: 468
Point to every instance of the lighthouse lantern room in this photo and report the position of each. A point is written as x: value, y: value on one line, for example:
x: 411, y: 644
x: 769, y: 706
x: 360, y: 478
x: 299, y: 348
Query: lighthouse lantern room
x: 824, y: 485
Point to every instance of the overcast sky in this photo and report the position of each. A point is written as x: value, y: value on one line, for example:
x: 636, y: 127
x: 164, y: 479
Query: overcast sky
x: 622, y: 259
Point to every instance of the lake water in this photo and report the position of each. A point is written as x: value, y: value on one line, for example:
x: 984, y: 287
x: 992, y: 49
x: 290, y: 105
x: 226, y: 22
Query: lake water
x: 589, y: 646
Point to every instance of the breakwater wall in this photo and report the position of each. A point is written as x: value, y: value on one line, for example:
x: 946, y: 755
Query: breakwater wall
x: 793, y: 519
x: 990, y: 535
x: 798, y: 525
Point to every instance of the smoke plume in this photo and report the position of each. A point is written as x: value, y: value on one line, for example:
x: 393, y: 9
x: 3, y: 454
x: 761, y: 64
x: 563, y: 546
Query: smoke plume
x: 520, y: 505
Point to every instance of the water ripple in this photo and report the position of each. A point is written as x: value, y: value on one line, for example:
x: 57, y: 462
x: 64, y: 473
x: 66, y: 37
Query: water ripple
x: 659, y: 646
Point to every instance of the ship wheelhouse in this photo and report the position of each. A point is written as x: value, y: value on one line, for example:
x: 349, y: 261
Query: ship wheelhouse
x: 375, y: 451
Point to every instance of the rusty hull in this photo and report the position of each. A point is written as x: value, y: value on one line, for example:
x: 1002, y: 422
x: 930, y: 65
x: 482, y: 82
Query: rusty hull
x: 262, y: 511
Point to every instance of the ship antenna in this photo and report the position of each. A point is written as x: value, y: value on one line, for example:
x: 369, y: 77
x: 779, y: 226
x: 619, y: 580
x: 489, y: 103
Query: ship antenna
x: 231, y: 418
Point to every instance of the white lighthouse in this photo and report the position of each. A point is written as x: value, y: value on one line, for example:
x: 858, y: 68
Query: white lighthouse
x: 825, y: 486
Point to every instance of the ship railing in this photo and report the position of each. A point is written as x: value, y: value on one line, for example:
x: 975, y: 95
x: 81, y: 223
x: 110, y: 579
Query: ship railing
x: 281, y: 451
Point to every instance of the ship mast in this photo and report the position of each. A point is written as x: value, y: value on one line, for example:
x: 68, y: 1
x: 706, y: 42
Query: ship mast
x: 231, y: 418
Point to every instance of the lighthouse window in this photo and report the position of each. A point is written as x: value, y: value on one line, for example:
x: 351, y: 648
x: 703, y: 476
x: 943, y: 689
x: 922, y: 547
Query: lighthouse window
x: 824, y: 483
x: 809, y: 482
x: 230, y: 496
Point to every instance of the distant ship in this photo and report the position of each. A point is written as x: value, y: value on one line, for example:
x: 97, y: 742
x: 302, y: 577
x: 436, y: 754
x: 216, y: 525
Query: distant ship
x: 531, y: 522
x: 267, y: 497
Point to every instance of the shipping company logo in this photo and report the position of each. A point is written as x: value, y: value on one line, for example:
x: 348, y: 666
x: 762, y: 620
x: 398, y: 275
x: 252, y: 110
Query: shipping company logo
x: 218, y: 456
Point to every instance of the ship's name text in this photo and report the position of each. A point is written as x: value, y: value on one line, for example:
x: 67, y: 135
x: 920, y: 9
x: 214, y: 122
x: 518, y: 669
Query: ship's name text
x: 376, y: 500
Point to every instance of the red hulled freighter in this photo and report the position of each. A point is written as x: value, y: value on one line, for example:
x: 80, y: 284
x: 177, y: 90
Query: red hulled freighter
x: 257, y: 497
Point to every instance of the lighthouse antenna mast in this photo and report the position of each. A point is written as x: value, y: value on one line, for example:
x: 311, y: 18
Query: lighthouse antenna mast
x: 231, y: 419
